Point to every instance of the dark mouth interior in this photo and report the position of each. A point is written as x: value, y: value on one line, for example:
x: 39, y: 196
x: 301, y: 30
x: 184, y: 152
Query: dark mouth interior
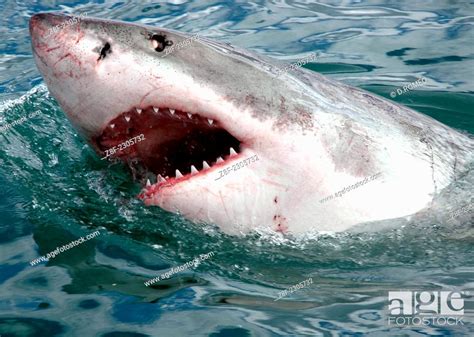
x: 172, y: 140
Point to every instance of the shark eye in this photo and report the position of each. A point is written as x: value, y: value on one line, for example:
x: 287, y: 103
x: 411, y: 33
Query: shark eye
x: 104, y: 51
x: 160, y: 42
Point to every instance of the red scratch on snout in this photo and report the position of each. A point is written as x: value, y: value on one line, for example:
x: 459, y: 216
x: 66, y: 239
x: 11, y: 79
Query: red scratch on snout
x: 62, y: 58
x: 51, y: 49
x: 74, y: 58
x: 80, y: 35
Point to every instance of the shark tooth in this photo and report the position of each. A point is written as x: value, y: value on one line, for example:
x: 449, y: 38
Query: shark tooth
x: 139, y: 110
x: 210, y: 121
x: 205, y: 165
x: 127, y: 118
x: 172, y: 111
x: 232, y: 152
x: 155, y: 109
x: 112, y: 126
x: 148, y: 183
x: 178, y: 174
x: 190, y: 115
x: 219, y: 160
x: 193, y: 170
x: 160, y: 178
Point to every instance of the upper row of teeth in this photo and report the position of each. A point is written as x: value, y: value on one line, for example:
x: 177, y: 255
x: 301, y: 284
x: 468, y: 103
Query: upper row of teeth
x: 194, y: 170
x: 155, y: 109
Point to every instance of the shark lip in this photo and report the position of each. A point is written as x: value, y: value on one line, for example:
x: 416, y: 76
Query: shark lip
x: 167, y: 145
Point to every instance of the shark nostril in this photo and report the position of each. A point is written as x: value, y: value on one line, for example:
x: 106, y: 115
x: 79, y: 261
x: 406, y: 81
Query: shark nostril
x: 104, y: 51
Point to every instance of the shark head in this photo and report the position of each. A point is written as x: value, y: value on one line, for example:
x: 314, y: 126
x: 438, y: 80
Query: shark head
x: 223, y: 134
x: 201, y: 115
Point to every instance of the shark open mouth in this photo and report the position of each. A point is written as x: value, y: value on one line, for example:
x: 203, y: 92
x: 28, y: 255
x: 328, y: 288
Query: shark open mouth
x: 162, y: 144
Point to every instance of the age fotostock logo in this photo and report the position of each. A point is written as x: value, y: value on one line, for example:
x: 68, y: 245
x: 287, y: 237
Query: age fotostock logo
x: 425, y: 307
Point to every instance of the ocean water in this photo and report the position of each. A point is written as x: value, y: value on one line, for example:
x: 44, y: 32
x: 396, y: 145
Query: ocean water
x: 55, y: 189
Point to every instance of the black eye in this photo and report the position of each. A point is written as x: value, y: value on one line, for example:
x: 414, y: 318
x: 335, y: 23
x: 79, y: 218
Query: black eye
x: 104, y: 51
x: 160, y: 42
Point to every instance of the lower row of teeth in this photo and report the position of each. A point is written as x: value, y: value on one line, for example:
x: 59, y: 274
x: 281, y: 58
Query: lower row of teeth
x: 205, y: 166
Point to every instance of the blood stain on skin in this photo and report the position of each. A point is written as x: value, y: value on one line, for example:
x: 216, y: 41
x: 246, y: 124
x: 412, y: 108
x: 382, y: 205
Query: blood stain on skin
x: 280, y: 223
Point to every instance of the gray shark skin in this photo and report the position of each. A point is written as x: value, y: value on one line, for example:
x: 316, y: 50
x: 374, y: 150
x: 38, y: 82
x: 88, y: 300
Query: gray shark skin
x: 231, y: 143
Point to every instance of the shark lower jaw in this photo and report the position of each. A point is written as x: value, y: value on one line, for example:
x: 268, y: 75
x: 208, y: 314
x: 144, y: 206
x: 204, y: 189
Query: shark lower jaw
x: 168, y: 146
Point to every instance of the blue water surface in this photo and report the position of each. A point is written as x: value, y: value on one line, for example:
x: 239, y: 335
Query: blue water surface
x: 55, y: 189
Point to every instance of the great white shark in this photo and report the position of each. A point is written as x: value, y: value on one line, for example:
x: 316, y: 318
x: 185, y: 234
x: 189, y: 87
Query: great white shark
x: 229, y: 138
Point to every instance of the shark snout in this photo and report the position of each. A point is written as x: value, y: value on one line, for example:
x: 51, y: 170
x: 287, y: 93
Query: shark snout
x: 39, y: 26
x: 43, y: 25
x: 65, y: 56
x: 45, y: 40
x: 54, y: 35
x: 38, y: 23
